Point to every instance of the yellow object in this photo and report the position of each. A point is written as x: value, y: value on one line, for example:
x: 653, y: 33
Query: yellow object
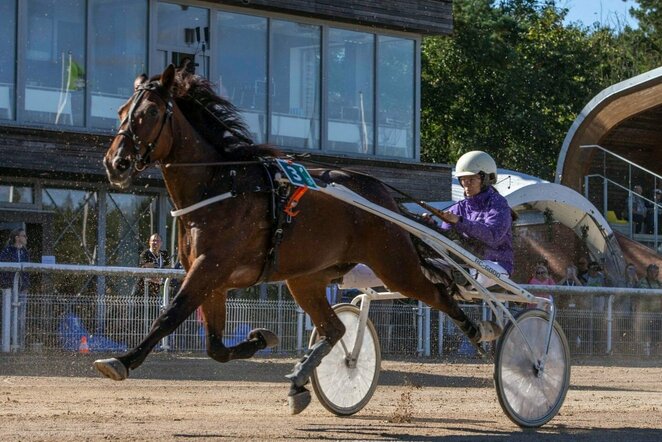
x: 612, y: 219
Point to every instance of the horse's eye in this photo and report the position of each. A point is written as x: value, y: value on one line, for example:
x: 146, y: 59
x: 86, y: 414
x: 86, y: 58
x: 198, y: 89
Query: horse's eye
x: 152, y: 111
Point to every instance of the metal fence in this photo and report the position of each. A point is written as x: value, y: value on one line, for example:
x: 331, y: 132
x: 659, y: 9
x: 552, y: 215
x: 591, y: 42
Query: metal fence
x: 405, y: 327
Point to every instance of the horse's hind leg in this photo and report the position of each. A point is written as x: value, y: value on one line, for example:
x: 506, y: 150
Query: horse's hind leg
x: 310, y: 293
x: 395, y: 261
x: 214, y: 311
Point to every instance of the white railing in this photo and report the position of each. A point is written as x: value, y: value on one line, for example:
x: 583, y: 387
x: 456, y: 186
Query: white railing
x: 117, y: 322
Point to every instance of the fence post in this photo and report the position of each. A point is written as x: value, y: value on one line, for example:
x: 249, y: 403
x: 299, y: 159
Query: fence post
x: 6, y: 320
x: 419, y: 328
x: 426, y: 332
x: 14, y: 313
x: 300, y: 320
x: 146, y: 322
x: 440, y: 333
x: 165, y: 300
x: 610, y: 320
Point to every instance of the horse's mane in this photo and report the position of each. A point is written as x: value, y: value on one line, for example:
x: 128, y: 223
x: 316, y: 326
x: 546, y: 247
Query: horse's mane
x: 216, y: 119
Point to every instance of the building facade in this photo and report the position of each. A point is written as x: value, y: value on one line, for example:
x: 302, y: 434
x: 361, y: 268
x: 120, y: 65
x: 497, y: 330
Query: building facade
x: 340, y: 80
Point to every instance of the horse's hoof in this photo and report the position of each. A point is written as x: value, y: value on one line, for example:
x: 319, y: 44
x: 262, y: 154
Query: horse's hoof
x: 267, y: 337
x: 489, y: 331
x: 112, y: 368
x: 299, y: 399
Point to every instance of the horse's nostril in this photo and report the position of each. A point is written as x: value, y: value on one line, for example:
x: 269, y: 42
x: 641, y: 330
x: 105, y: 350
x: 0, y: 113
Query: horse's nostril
x: 121, y: 164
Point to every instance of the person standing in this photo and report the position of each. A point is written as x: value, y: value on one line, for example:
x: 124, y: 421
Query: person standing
x: 16, y: 251
x: 155, y: 258
x: 655, y: 208
x: 638, y: 208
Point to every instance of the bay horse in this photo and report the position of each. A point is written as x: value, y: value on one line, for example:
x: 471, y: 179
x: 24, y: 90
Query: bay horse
x: 175, y: 118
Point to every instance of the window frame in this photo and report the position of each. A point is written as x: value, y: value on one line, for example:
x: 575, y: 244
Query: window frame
x: 214, y: 9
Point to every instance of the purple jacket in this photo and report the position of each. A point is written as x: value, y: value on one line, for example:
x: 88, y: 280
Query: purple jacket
x: 485, y: 227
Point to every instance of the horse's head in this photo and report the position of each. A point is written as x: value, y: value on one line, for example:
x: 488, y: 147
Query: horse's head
x: 145, y: 133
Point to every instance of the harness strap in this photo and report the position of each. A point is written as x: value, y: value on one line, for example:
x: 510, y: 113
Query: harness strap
x: 203, y: 203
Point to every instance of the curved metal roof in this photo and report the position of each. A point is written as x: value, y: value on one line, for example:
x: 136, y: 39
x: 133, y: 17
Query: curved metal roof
x: 605, y: 112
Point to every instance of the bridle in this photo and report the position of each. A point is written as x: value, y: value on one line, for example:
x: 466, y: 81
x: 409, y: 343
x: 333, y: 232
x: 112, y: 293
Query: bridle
x: 143, y: 158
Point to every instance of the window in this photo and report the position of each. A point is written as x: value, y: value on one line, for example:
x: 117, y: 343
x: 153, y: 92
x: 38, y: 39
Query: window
x: 350, y: 91
x: 74, y: 224
x: 54, y: 91
x: 20, y: 194
x: 241, y: 65
x: 118, y: 51
x: 295, y: 98
x: 79, y: 59
x: 7, y: 59
x: 395, y: 82
x: 183, y: 35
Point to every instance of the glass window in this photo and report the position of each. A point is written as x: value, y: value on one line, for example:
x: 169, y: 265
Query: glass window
x: 395, y: 82
x: 295, y: 98
x: 16, y: 194
x: 74, y: 224
x: 130, y: 220
x: 54, y: 62
x: 241, y: 54
x: 183, y: 34
x: 118, y: 55
x: 7, y: 59
x: 350, y: 91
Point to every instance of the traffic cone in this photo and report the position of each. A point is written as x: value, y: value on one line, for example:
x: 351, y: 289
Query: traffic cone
x: 83, y: 347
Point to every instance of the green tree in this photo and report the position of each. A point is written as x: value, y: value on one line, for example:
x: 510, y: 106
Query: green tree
x: 644, y: 44
x: 511, y: 80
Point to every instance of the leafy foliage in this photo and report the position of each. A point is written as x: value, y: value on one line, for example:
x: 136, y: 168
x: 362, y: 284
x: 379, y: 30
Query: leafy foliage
x: 514, y: 76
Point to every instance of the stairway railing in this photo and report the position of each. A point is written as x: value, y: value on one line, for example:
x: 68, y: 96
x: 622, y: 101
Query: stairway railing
x: 653, y: 239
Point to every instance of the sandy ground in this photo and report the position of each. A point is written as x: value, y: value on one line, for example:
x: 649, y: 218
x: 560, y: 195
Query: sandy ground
x: 61, y: 397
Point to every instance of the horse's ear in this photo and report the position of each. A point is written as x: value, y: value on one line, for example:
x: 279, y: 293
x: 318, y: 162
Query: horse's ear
x: 140, y: 79
x: 168, y: 76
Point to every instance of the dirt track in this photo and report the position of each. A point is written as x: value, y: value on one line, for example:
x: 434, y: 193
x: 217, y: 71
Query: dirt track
x: 62, y: 398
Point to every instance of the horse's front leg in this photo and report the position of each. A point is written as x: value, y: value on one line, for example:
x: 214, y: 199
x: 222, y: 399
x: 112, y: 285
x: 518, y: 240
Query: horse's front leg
x: 197, y: 284
x: 309, y: 292
x: 214, y: 317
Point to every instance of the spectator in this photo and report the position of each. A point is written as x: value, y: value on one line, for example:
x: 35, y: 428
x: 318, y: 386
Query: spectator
x: 16, y: 251
x: 650, y: 213
x: 631, y: 277
x: 582, y: 269
x: 624, y: 303
x: 645, y: 306
x: 595, y: 278
x: 541, y: 277
x: 540, y: 262
x: 154, y: 257
x: 638, y: 208
x: 570, y: 279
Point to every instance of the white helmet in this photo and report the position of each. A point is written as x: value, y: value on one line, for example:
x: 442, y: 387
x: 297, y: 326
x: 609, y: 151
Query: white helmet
x: 477, y: 162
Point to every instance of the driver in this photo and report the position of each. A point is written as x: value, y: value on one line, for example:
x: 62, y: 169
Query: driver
x: 483, y: 220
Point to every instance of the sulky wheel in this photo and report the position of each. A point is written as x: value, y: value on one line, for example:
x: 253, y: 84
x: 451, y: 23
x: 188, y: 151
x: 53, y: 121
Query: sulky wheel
x: 530, y: 397
x: 341, y: 388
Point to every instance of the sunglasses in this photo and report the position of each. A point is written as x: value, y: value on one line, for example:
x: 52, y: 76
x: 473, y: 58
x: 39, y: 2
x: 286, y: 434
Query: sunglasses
x: 541, y: 272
